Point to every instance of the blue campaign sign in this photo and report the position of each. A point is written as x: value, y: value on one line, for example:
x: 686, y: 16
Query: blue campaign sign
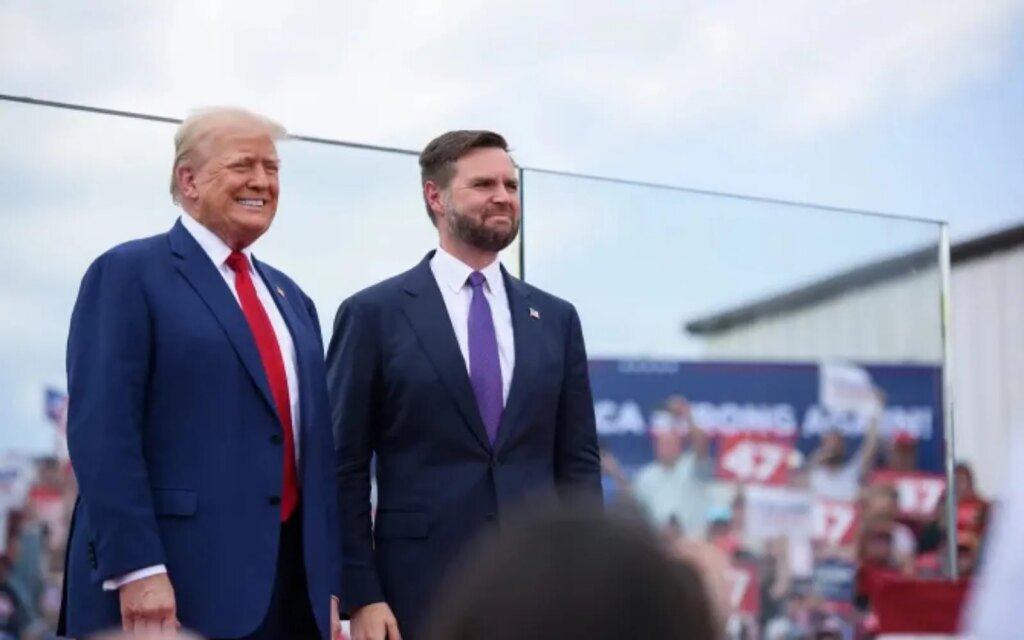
x: 833, y: 580
x: 785, y: 400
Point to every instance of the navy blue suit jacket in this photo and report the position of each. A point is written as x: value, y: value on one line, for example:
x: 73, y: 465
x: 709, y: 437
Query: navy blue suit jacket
x: 176, y: 444
x: 400, y: 392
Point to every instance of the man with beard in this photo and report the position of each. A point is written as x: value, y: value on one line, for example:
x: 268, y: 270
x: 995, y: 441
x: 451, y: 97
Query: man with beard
x: 469, y: 387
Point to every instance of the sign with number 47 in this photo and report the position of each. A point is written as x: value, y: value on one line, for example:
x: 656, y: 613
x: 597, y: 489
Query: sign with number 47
x: 751, y: 460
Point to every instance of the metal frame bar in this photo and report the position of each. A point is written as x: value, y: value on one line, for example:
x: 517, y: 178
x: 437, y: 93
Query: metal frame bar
x: 523, y: 170
x: 949, y: 433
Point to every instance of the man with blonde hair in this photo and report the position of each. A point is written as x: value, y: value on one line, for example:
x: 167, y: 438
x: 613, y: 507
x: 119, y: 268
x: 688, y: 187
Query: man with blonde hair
x: 198, y: 426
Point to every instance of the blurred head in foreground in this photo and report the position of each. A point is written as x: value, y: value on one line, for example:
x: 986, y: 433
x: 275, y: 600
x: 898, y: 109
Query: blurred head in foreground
x: 155, y: 634
x: 573, y: 574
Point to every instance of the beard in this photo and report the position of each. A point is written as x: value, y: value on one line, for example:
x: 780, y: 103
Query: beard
x: 474, y: 231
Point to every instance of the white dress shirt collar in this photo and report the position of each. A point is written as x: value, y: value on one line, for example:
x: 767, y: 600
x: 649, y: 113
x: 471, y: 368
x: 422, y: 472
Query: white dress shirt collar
x: 454, y: 273
x: 211, y: 244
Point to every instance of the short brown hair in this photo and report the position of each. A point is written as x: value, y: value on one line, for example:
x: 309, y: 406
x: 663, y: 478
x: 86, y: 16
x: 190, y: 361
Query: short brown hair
x: 438, y: 158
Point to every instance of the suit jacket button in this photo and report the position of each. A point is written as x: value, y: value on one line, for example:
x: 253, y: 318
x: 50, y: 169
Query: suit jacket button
x: 276, y: 438
x: 490, y: 517
x: 275, y: 500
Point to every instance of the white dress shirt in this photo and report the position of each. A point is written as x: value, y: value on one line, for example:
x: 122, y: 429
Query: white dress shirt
x: 218, y: 252
x: 452, y: 277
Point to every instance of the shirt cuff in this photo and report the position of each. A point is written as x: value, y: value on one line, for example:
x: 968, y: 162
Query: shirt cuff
x: 116, y: 583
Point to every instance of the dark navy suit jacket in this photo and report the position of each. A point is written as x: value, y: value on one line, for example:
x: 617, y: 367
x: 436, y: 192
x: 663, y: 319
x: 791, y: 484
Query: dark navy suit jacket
x: 400, y: 392
x: 176, y: 444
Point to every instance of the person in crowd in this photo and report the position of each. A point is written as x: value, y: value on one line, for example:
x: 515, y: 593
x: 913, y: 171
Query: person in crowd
x: 876, y: 558
x: 675, y: 483
x: 972, y: 510
x: 468, y: 386
x: 901, y: 453
x: 198, y: 423
x: 834, y: 476
x: 721, y: 531
x: 714, y: 566
x: 881, y: 503
x: 832, y: 628
x: 29, y: 561
x: 575, y: 574
x: 14, y: 617
x: 775, y: 579
x: 932, y: 533
x: 972, y: 515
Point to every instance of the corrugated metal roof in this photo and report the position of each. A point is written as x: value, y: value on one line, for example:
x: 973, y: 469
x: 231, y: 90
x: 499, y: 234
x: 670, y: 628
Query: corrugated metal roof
x: 846, y: 281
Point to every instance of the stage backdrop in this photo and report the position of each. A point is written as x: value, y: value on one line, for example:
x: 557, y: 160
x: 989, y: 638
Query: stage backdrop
x: 786, y: 403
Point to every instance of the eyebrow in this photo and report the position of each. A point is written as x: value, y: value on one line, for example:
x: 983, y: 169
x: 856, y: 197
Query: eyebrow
x: 486, y: 179
x: 251, y: 157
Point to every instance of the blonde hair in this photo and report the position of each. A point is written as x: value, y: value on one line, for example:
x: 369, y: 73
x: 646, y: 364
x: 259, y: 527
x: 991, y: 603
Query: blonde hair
x: 198, y: 126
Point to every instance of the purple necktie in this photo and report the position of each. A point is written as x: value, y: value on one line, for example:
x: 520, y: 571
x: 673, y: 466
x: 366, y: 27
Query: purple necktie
x: 484, y: 366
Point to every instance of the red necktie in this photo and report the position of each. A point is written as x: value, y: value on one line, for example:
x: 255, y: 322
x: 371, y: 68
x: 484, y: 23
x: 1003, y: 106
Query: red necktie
x: 273, y: 365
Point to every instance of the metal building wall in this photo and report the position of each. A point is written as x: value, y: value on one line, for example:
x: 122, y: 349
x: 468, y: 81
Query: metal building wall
x: 988, y: 361
x: 898, y: 321
x: 892, y: 322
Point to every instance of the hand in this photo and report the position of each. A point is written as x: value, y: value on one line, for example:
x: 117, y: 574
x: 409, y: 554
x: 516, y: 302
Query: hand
x: 375, y: 622
x: 335, y: 621
x: 148, y: 606
x: 713, y: 567
x: 701, y: 441
x: 610, y: 464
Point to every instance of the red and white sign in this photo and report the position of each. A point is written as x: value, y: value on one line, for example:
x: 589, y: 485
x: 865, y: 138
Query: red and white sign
x: 919, y: 493
x: 752, y: 459
x: 744, y: 589
x: 835, y: 522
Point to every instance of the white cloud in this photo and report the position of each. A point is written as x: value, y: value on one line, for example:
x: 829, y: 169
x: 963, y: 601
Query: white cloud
x: 793, y: 66
x: 398, y: 70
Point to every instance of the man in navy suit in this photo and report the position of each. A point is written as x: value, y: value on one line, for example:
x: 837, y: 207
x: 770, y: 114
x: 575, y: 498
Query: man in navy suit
x: 198, y: 426
x: 469, y: 387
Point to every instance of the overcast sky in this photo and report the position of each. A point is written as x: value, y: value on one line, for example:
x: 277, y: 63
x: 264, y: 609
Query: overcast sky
x: 910, y: 107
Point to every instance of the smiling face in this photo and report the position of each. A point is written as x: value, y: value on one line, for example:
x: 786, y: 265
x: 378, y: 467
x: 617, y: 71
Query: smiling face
x: 230, y: 183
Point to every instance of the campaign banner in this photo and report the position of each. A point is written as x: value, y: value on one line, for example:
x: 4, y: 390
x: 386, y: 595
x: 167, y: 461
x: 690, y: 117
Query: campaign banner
x: 835, y: 522
x: 771, y: 512
x: 834, y: 580
x: 793, y: 402
x: 845, y: 387
x: 919, y: 493
x: 744, y: 588
x: 754, y: 459
x: 16, y: 476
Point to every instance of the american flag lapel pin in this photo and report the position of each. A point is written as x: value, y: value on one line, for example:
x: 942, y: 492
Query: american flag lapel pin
x: 534, y: 314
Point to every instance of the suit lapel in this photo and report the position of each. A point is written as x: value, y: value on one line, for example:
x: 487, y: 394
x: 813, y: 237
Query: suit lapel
x: 201, y: 273
x: 526, y: 335
x: 429, y: 318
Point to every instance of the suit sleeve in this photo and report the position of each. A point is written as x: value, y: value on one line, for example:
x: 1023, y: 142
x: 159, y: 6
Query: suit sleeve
x: 330, y: 480
x: 108, y: 360
x: 577, y: 459
x: 352, y: 365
